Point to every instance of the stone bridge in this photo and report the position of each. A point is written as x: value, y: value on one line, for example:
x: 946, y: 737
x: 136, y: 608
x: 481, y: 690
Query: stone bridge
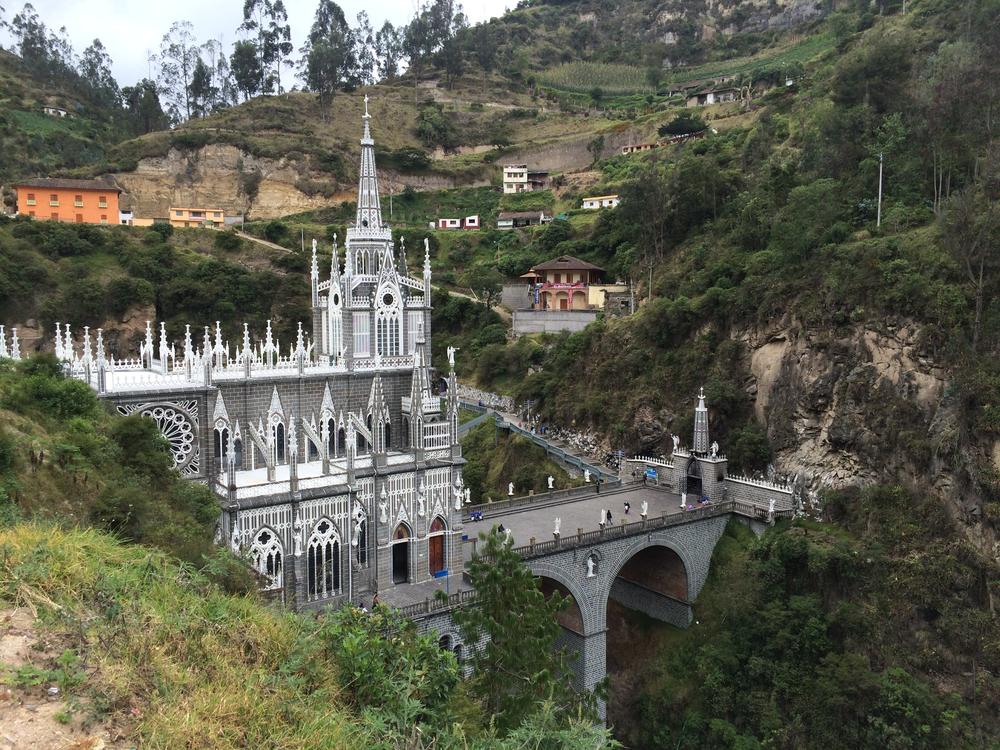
x: 655, y: 563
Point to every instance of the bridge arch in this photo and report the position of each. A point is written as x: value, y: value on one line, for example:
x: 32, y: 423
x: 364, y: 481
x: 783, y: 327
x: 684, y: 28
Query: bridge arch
x: 675, y: 556
x: 564, y: 583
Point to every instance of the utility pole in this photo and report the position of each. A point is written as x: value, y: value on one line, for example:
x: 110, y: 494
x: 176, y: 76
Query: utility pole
x: 878, y: 214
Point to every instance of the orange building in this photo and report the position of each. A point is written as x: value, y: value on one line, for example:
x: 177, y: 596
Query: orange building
x: 75, y: 201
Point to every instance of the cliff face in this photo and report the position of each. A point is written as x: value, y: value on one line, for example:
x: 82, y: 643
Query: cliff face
x: 866, y: 405
x: 222, y: 175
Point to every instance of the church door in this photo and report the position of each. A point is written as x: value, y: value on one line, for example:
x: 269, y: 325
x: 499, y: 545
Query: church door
x: 435, y: 545
x: 401, y: 555
x: 563, y: 303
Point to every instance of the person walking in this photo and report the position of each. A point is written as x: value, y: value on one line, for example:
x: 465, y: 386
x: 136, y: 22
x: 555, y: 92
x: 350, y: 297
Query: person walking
x: 627, y: 506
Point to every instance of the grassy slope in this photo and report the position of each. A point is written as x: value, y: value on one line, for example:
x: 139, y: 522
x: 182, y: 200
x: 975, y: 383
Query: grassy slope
x: 34, y: 144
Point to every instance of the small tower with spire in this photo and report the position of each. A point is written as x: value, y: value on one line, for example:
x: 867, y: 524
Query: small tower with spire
x: 700, y: 443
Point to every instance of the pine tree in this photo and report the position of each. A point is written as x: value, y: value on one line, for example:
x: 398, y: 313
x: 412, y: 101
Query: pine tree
x: 518, y: 669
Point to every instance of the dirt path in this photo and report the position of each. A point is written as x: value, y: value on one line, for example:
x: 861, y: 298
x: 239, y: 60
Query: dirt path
x: 259, y: 241
x: 38, y: 716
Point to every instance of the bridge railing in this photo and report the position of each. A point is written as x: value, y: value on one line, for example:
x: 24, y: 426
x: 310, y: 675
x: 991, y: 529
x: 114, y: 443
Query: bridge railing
x: 541, y: 498
x: 433, y: 604
x: 589, y: 538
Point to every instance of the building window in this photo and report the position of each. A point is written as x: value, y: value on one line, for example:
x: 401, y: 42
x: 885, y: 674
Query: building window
x: 387, y: 330
x: 363, y: 543
x: 217, y: 214
x: 279, y: 443
x: 221, y: 443
x: 53, y: 200
x: 78, y: 201
x: 31, y: 199
x: 331, y: 438
x: 178, y: 213
x: 341, y: 442
x: 102, y: 201
x: 414, y: 321
x: 31, y: 214
x: 267, y: 558
x: 323, y: 561
x: 104, y: 218
x: 54, y: 216
x: 79, y: 218
x: 362, y: 335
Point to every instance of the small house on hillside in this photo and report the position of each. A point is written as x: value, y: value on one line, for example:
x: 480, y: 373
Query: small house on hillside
x: 564, y: 294
x: 636, y: 148
x: 517, y: 178
x: 55, y: 111
x: 712, y: 96
x: 601, y: 201
x: 517, y: 219
x: 469, y: 222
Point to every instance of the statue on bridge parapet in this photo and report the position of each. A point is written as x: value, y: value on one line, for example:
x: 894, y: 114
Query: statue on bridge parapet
x: 510, y: 489
x: 677, y: 442
x: 551, y: 481
x: 684, y: 501
x: 586, y: 476
x: 645, y: 509
x: 556, y: 525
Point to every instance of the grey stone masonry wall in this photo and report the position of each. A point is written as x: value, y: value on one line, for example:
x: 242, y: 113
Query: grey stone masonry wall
x: 657, y: 606
x: 552, y: 321
x: 759, y: 493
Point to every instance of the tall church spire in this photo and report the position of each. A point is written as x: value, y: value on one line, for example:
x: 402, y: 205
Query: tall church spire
x: 369, y: 216
x: 701, y: 425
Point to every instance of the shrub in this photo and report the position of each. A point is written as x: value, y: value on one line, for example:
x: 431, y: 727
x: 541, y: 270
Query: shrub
x: 161, y: 229
x: 275, y: 231
x: 228, y: 241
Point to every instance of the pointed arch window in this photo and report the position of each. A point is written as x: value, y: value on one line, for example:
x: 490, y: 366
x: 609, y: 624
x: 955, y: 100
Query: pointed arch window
x: 363, y: 543
x: 278, y: 439
x: 238, y: 452
x: 341, y: 442
x: 221, y: 442
x: 406, y: 433
x: 267, y: 558
x: 331, y: 437
x: 323, y: 561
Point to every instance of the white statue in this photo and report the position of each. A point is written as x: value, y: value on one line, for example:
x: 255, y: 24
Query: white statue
x: 586, y: 476
x: 451, y: 357
x: 421, y: 505
x: 591, y: 567
x: 677, y: 443
x: 510, y: 535
x: 383, y: 511
x: 684, y: 501
x: 552, y: 481
x: 234, y: 540
x: 556, y: 524
x: 604, y: 516
x: 297, y: 536
x: 645, y: 509
x: 715, y: 449
x: 217, y: 539
x: 510, y: 489
x: 458, y: 498
x: 468, y: 496
x: 770, y: 508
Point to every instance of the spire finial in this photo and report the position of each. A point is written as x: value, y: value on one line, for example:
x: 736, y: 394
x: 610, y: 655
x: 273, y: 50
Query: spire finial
x: 367, y: 116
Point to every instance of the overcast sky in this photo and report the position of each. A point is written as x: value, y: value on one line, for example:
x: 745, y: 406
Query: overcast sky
x: 130, y: 29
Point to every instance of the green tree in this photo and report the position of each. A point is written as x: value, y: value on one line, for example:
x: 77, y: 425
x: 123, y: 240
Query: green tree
x: 485, y: 282
x: 142, y: 102
x: 518, y: 668
x: 595, y: 148
x: 329, y: 58
x: 485, y: 45
x: 202, y: 90
x: 178, y: 57
x: 388, y: 50
x: 267, y: 21
x: 245, y: 64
